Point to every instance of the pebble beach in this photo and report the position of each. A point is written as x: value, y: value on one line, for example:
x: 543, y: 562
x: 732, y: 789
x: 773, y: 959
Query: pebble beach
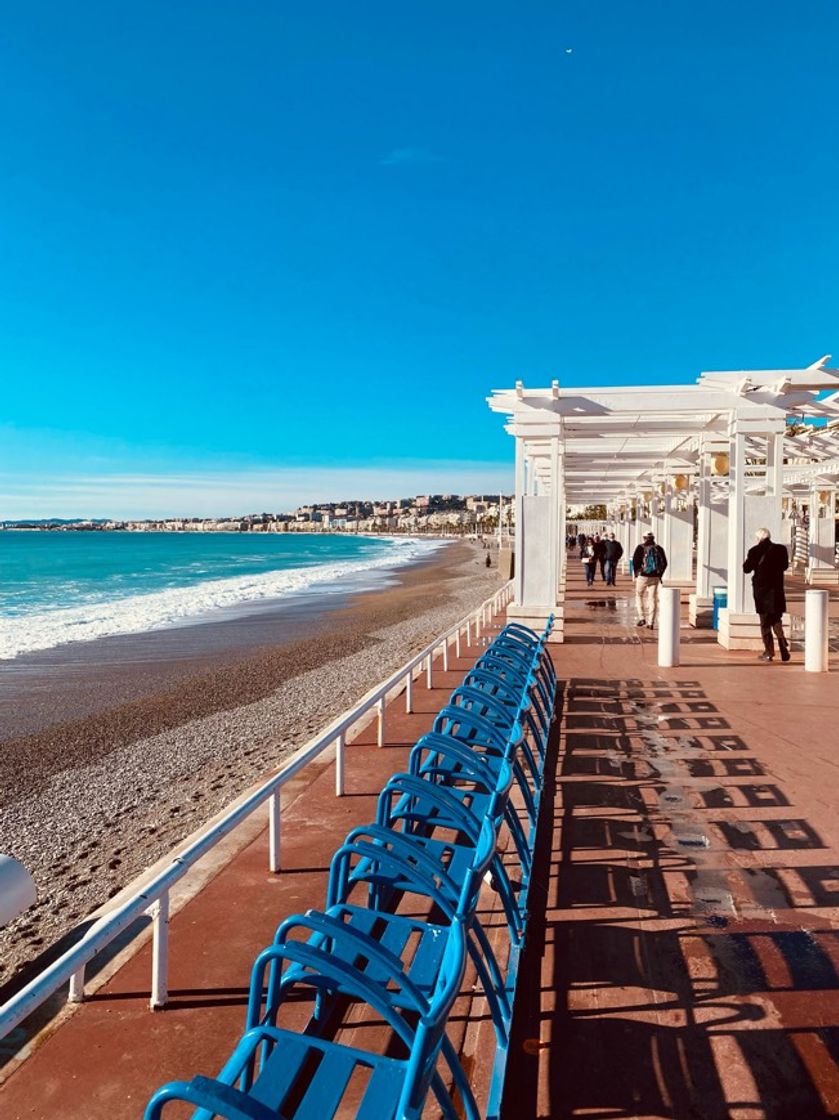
x: 87, y: 803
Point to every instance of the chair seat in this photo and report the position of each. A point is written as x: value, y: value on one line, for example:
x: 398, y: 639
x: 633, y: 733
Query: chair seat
x: 312, y: 1073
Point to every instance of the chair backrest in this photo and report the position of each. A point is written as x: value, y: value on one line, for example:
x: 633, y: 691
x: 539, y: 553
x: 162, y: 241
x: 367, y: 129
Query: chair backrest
x: 492, y: 707
x: 471, y: 727
x: 431, y: 1027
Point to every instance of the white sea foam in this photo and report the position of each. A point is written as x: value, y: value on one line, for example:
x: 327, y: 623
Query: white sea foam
x: 184, y: 605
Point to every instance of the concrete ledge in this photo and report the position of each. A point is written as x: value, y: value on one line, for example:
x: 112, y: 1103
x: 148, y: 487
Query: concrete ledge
x: 700, y: 612
x: 823, y: 577
x: 742, y: 631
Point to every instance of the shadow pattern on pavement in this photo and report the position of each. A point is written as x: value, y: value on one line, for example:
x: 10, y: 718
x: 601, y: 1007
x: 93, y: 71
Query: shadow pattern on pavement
x: 679, y: 961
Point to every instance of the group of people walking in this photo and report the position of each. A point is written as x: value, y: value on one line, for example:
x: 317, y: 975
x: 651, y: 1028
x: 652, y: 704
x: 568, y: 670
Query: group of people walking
x: 766, y: 560
x: 602, y: 552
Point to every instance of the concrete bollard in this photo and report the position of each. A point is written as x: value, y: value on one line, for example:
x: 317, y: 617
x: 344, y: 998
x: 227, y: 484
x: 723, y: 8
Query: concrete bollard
x: 17, y: 889
x: 816, y: 631
x: 669, y: 602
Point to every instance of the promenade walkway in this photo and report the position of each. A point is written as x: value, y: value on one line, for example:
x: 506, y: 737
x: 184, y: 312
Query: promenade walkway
x: 683, y: 958
x: 685, y: 962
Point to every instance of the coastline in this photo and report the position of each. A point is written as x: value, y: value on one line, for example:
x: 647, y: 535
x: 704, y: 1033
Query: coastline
x: 91, y: 801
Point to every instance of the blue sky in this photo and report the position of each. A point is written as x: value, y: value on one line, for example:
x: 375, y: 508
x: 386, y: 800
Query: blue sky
x: 298, y: 244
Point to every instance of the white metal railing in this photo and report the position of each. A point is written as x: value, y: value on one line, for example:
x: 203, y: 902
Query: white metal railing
x: 152, y: 898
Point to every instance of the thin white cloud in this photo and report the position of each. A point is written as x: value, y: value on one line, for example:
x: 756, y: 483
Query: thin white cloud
x: 125, y: 496
x: 409, y: 157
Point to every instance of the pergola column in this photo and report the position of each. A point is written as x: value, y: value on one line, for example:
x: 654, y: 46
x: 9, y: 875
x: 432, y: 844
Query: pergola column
x: 711, y: 537
x: 643, y: 519
x: 739, y: 623
x: 821, y: 567
x: 677, y: 538
x: 540, y: 533
x: 658, y: 511
x: 624, y: 526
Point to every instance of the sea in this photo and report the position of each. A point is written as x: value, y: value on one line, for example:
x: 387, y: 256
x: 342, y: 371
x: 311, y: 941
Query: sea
x: 59, y: 587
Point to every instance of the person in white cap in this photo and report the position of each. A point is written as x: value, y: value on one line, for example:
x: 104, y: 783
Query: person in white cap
x: 648, y: 566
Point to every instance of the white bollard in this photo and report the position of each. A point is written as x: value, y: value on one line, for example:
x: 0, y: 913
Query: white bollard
x: 17, y: 889
x: 669, y: 601
x: 160, y: 953
x: 815, y: 631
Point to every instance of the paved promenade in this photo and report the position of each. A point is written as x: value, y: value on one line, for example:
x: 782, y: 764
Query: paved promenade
x: 683, y: 958
x: 687, y: 961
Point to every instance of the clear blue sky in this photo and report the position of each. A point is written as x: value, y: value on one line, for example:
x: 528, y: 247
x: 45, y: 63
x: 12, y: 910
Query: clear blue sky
x: 241, y: 238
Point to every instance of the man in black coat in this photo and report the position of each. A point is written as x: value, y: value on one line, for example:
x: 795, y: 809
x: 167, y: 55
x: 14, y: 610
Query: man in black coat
x: 768, y: 562
x: 612, y: 552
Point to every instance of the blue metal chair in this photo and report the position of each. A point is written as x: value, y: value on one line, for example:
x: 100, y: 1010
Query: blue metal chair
x: 469, y: 775
x: 278, y: 1074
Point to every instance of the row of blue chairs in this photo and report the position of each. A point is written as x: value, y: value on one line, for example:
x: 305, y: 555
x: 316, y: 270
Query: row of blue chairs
x: 400, y: 922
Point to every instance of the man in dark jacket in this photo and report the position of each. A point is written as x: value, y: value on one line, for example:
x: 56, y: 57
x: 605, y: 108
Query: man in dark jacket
x: 612, y: 552
x: 768, y: 562
x: 599, y: 555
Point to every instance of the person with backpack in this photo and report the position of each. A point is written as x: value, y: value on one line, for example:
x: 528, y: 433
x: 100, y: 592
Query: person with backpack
x: 768, y: 562
x: 648, y: 566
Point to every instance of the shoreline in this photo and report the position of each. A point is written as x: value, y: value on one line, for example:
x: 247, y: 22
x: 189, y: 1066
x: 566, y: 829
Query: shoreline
x: 84, y: 678
x: 90, y: 803
x: 167, y: 589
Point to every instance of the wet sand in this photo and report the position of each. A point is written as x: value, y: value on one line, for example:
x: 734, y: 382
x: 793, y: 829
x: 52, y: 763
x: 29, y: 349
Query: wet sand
x: 133, y: 742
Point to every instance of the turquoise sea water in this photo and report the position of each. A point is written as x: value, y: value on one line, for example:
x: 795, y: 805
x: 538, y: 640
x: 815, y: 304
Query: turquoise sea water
x: 58, y: 587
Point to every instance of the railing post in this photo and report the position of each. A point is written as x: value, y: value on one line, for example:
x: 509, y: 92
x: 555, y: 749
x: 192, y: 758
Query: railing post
x: 76, y: 993
x: 160, y: 953
x: 429, y: 677
x: 468, y: 633
x: 381, y: 737
x: 340, y: 744
x: 274, y: 828
x: 457, y: 643
x: 446, y: 656
x: 409, y: 692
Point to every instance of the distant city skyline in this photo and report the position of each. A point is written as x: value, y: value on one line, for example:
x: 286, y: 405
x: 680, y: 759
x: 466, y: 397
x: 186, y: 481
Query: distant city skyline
x: 367, y: 514
x: 127, y: 497
x: 260, y: 246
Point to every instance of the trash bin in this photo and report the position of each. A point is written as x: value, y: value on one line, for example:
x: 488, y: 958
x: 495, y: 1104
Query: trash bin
x: 720, y: 601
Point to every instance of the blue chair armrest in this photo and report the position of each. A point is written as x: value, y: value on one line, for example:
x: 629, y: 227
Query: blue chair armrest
x: 214, y: 1096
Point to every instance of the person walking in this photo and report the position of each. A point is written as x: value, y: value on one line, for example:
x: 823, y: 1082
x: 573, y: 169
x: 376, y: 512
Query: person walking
x: 599, y: 543
x: 768, y: 561
x: 589, y: 559
x: 648, y: 566
x: 612, y: 552
x: 581, y: 543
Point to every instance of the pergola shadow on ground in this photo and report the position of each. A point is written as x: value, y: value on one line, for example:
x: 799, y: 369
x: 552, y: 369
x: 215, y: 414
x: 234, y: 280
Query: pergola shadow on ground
x: 683, y: 959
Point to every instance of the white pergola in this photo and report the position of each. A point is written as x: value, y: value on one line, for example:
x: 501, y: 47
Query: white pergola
x: 725, y: 451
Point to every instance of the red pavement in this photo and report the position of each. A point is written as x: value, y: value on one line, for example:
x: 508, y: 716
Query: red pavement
x: 683, y: 958
x: 686, y: 961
